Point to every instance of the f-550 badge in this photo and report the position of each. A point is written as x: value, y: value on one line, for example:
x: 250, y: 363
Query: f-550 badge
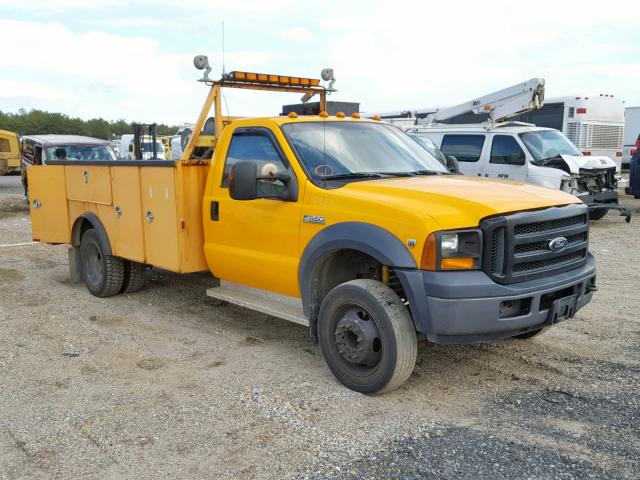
x: 317, y: 219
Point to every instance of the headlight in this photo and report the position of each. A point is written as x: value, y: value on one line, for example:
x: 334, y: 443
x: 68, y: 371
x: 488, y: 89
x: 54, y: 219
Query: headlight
x: 449, y: 244
x: 453, y: 250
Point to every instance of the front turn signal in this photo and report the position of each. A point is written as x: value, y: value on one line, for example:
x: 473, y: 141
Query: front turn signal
x: 458, y: 263
x: 429, y: 253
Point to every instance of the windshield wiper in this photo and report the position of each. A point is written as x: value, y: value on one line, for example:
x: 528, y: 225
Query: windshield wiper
x: 542, y: 161
x: 341, y: 176
x: 428, y: 172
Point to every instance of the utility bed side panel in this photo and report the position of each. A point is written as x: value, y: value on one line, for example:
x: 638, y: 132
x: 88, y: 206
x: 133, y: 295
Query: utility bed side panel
x: 191, y: 182
x: 159, y: 217
x: 48, y: 204
x: 88, y: 183
x: 128, y: 237
x: 103, y: 212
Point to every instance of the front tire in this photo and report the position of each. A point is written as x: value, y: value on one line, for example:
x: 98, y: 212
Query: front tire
x: 367, y: 336
x: 102, y: 274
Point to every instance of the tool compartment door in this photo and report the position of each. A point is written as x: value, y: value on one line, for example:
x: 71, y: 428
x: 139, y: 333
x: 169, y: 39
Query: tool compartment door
x: 127, y: 238
x: 89, y: 183
x: 48, y: 203
x: 159, y: 217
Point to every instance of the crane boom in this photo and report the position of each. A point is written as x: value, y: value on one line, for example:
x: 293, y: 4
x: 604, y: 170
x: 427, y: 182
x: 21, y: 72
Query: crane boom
x: 500, y: 105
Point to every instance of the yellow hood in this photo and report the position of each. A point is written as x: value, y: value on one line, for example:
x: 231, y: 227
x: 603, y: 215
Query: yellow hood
x: 457, y: 201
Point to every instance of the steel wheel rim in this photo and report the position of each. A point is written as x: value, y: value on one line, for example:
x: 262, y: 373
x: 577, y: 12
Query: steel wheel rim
x: 357, y: 339
x: 93, y: 264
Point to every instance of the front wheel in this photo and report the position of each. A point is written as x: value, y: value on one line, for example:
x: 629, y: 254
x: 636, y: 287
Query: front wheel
x: 367, y: 336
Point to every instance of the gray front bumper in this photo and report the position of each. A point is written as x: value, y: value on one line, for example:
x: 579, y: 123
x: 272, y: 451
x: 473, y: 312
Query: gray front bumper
x: 464, y: 307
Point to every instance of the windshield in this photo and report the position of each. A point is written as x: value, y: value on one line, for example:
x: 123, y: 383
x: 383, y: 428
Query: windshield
x: 329, y: 149
x: 80, y: 152
x: 426, y: 143
x: 546, y: 144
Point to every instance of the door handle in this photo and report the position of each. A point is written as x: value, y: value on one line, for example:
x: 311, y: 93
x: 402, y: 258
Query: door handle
x: 214, y: 211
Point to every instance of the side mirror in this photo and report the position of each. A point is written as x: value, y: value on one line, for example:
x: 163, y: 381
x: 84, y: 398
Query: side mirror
x: 243, y: 181
x: 245, y: 184
x: 452, y: 164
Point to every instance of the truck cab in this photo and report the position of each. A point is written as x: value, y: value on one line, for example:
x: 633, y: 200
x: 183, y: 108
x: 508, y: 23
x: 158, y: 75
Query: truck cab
x: 338, y: 223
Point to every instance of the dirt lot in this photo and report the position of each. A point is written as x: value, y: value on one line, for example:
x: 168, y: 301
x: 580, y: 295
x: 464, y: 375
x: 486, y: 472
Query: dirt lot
x: 165, y: 383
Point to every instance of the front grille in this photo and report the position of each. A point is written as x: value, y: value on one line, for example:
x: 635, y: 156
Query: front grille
x: 548, y: 225
x: 550, y: 262
x: 542, y: 245
x: 518, y: 246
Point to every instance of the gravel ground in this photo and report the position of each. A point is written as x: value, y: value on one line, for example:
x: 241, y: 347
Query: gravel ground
x: 166, y: 383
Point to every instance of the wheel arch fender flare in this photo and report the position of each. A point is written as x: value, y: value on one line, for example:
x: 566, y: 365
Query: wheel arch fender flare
x: 364, y: 237
x: 96, y: 224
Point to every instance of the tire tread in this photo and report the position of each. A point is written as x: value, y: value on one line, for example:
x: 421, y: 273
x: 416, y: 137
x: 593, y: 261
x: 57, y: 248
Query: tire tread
x: 402, y: 328
x: 134, y: 276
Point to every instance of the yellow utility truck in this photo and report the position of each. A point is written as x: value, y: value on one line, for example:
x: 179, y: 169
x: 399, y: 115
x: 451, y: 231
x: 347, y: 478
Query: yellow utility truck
x: 9, y: 152
x: 341, y: 224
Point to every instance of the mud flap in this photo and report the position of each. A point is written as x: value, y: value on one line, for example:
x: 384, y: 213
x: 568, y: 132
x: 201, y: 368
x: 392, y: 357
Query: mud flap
x: 562, y: 309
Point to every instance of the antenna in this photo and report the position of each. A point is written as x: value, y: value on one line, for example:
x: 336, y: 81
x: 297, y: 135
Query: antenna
x: 223, y: 70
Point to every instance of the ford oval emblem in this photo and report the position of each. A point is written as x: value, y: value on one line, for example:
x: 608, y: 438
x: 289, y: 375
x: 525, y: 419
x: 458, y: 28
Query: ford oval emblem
x: 557, y: 244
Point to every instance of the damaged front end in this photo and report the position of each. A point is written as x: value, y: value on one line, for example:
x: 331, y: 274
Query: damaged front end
x: 594, y: 180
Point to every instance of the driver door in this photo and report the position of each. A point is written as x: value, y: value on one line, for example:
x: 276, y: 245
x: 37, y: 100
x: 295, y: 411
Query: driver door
x: 507, y: 159
x: 254, y: 242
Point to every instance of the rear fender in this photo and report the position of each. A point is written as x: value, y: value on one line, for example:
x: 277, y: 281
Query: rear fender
x: 96, y: 224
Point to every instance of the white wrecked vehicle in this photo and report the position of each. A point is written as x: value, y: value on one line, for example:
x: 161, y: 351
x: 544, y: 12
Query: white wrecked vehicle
x: 523, y: 152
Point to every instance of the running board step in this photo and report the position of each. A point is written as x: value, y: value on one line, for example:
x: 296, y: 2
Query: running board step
x: 274, y: 304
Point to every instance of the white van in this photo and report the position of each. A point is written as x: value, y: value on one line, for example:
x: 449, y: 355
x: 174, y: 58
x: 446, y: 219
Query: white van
x: 526, y: 153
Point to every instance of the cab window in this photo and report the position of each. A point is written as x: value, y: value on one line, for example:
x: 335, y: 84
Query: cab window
x: 505, y: 150
x: 258, y: 148
x: 466, y: 148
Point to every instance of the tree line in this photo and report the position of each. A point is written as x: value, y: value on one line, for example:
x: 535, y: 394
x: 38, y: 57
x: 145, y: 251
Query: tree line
x: 34, y: 122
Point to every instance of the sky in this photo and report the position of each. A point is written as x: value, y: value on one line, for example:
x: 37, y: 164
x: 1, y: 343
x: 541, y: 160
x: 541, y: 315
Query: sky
x: 132, y: 60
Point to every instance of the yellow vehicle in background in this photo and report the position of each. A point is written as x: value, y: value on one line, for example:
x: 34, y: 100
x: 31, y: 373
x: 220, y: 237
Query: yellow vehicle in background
x: 9, y: 152
x: 338, y: 223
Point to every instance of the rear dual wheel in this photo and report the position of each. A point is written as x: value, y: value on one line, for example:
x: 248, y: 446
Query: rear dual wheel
x: 367, y: 336
x: 107, y: 275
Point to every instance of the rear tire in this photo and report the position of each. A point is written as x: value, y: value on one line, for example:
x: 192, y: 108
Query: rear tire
x: 134, y: 276
x: 597, y: 214
x: 102, y: 274
x: 367, y: 336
